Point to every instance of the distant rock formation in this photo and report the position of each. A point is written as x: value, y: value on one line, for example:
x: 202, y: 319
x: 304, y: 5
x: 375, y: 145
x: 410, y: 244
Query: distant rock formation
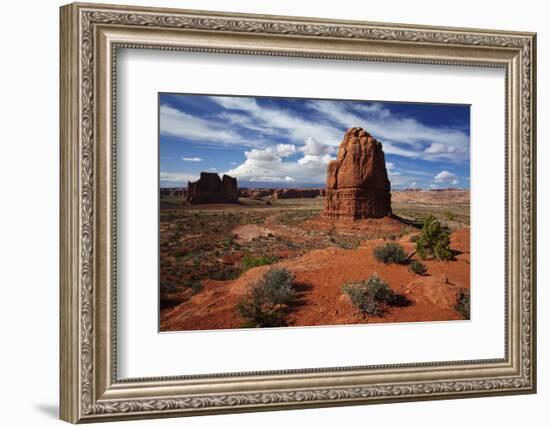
x: 173, y: 191
x: 211, y: 189
x: 255, y: 193
x: 297, y: 193
x: 357, y: 181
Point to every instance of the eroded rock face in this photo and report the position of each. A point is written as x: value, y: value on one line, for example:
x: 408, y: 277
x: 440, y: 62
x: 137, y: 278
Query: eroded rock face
x: 211, y: 189
x: 357, y: 181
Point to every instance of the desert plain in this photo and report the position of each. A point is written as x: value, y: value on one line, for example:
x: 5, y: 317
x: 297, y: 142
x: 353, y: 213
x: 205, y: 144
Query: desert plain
x: 211, y: 254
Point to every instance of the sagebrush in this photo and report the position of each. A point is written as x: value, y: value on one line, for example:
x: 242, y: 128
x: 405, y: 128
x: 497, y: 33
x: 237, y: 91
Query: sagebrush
x: 265, y: 302
x: 370, y: 295
x: 390, y: 253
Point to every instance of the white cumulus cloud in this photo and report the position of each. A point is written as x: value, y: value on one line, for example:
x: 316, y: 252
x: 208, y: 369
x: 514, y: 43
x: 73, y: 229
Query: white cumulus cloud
x: 269, y: 165
x: 192, y: 159
x: 446, y: 178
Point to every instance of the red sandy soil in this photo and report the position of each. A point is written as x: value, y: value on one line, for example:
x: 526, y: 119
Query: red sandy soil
x: 380, y: 226
x: 320, y: 275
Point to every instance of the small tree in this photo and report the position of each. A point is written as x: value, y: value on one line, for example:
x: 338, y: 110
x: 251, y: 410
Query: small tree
x: 434, y: 240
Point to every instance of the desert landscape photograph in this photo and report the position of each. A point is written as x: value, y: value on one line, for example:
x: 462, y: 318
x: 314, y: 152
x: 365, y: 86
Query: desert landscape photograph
x: 294, y: 212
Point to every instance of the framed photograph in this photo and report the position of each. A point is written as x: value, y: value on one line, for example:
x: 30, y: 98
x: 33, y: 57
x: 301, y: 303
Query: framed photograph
x: 267, y: 212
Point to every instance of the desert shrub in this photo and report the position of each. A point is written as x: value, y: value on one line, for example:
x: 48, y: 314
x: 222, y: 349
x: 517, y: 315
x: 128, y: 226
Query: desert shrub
x: 370, y: 295
x: 249, y: 261
x: 390, y: 252
x: 450, y: 215
x: 278, y: 286
x: 265, y: 302
x: 418, y: 268
x: 413, y: 238
x: 434, y: 240
x: 463, y: 304
x: 256, y: 311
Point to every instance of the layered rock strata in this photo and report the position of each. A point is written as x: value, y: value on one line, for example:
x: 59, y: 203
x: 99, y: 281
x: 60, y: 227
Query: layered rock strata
x: 357, y: 181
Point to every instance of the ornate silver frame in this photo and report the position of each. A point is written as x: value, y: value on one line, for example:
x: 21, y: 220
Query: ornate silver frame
x: 90, y: 36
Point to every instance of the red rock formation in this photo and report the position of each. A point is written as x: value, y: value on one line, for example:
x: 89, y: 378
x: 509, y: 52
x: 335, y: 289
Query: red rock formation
x: 297, y: 193
x: 211, y: 189
x: 357, y: 181
x: 259, y: 194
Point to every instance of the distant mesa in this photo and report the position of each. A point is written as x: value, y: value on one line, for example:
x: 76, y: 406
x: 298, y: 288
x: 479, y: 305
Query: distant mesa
x: 255, y: 193
x: 174, y: 192
x: 297, y: 193
x: 357, y: 181
x: 211, y: 189
x: 281, y: 193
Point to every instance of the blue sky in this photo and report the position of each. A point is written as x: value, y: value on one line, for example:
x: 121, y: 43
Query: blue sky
x: 287, y: 142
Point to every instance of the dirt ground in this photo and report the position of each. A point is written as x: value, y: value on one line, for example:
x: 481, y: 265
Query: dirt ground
x: 204, y: 251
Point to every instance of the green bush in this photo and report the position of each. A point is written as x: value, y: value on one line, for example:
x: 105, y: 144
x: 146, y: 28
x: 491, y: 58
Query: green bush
x: 418, y: 268
x: 390, y: 252
x: 370, y: 295
x: 249, y: 261
x: 434, y: 240
x: 265, y: 302
x: 463, y: 304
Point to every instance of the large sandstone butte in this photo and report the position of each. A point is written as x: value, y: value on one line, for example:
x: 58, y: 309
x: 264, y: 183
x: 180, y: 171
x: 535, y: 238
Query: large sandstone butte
x: 211, y: 189
x: 357, y: 181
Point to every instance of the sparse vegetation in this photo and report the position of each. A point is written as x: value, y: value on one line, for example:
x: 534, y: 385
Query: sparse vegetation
x: 450, y: 215
x: 390, y: 253
x: 370, y: 295
x: 418, y: 268
x: 265, y: 302
x: 249, y: 261
x: 295, y: 217
x: 169, y: 287
x: 202, y: 244
x: 434, y: 240
x: 463, y: 304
